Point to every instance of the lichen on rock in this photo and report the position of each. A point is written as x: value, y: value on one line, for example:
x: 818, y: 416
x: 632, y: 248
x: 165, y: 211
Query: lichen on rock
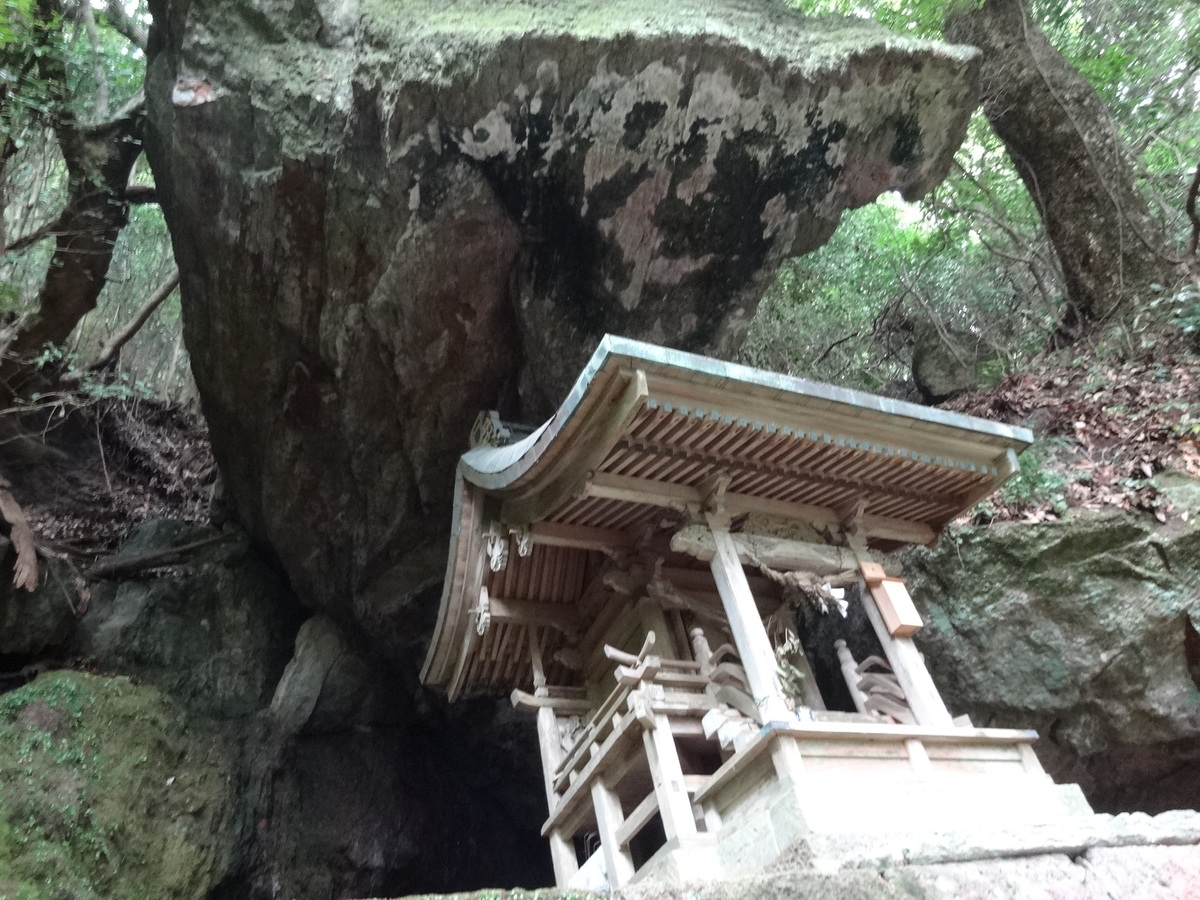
x: 390, y: 215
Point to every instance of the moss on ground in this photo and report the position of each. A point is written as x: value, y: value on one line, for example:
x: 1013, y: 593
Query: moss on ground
x: 103, y: 793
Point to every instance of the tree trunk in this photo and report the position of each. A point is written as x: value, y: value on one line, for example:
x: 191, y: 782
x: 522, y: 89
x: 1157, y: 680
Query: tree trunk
x: 1068, y: 152
x: 99, y: 160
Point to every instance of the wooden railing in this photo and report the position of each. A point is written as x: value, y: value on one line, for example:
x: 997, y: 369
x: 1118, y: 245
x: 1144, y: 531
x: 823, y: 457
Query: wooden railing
x: 654, y: 699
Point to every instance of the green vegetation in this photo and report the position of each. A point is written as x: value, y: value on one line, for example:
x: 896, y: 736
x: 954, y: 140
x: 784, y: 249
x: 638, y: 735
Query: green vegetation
x: 103, y: 795
x: 1038, y: 481
x: 71, y: 72
x: 973, y: 260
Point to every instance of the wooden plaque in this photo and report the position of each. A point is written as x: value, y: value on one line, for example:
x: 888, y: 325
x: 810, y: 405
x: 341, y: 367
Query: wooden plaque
x: 896, y: 606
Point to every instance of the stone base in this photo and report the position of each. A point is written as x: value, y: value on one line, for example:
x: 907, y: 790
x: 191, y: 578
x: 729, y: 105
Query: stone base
x: 836, y: 824
x: 1073, y: 837
x: 1134, y: 872
x: 1083, y: 856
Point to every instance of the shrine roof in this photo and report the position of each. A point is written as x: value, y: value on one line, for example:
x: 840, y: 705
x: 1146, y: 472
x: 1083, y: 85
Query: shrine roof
x: 647, y: 430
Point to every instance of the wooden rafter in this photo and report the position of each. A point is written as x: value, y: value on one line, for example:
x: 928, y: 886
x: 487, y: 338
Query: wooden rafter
x: 681, y: 497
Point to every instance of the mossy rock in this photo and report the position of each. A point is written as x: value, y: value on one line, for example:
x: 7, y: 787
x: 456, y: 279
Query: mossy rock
x: 106, y: 792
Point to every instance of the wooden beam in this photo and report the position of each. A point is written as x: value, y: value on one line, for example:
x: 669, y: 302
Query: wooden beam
x: 620, y: 738
x: 636, y: 820
x: 917, y: 757
x: 909, y: 668
x: 579, y: 537
x: 848, y: 732
x: 679, y: 496
x: 907, y: 663
x: 567, y: 706
x: 560, y: 616
x: 642, y: 490
x: 609, y: 819
x: 667, y: 775
x: 701, y: 581
x: 753, y: 645
x: 562, y: 847
x: 778, y: 553
x: 469, y: 640
x: 1007, y: 465
x: 884, y: 528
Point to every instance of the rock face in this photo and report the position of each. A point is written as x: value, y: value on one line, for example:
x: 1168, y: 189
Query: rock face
x: 345, y: 782
x: 390, y: 215
x: 1085, y: 630
x: 946, y: 361
x: 214, y: 632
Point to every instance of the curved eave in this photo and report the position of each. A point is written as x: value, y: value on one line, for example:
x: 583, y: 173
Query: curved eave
x: 464, y: 576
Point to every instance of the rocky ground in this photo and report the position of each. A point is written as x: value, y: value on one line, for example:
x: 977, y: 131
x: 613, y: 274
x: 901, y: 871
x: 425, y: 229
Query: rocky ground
x: 1106, y: 426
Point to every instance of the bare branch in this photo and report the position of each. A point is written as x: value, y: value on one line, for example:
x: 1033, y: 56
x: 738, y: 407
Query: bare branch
x: 1192, y: 215
x: 820, y: 359
x: 25, y: 241
x: 98, y: 69
x: 122, y: 337
x: 168, y: 557
x: 124, y: 24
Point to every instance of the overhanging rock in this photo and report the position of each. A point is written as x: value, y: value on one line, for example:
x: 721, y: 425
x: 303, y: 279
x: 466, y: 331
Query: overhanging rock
x: 389, y: 215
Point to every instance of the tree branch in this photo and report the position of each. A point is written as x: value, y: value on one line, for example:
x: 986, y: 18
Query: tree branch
x: 124, y: 24
x: 25, y: 241
x: 122, y: 337
x: 167, y: 557
x: 98, y: 69
x: 820, y: 359
x: 1190, y: 206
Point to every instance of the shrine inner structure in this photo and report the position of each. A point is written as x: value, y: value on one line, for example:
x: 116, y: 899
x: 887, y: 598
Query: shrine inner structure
x: 626, y: 573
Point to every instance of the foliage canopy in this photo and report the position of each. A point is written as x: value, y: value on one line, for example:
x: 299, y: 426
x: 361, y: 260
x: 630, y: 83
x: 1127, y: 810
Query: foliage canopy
x: 973, y: 260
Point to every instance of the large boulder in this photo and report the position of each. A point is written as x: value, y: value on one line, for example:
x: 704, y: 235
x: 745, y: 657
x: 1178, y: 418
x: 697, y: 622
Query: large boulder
x: 390, y: 214
x: 1085, y: 630
x: 214, y: 630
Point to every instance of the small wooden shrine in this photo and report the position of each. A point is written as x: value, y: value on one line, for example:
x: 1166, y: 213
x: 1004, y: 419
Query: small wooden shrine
x: 622, y: 573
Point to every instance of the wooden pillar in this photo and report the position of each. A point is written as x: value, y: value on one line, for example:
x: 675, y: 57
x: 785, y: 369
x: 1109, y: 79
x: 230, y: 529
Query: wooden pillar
x: 562, y: 846
x: 918, y: 757
x: 673, y: 803
x: 906, y: 661
x: 754, y: 647
x: 785, y: 756
x: 617, y: 860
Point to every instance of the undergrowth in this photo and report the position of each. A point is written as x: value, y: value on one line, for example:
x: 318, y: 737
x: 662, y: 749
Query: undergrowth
x: 97, y: 793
